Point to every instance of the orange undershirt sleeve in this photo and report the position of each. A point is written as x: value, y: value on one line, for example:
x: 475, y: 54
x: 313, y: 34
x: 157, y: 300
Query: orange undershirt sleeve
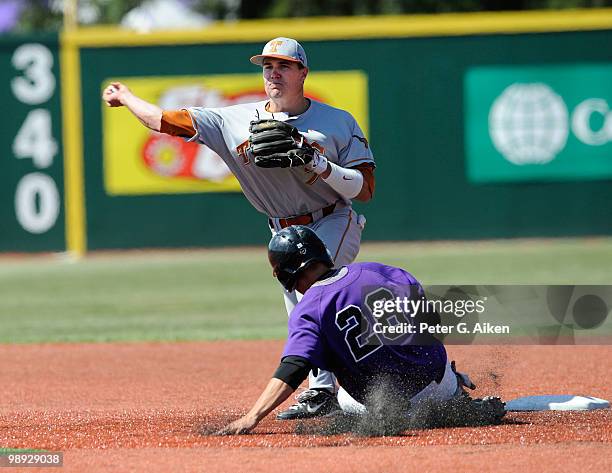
x: 177, y: 123
x: 367, y: 170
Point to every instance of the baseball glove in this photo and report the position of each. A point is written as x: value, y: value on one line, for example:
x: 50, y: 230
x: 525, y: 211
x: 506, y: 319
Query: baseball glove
x: 276, y: 144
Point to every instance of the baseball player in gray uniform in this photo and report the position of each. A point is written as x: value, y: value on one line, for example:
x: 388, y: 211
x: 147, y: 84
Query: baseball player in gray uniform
x: 298, y: 161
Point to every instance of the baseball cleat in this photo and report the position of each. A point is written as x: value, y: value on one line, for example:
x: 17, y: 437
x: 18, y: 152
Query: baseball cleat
x: 490, y: 409
x: 311, y: 403
x: 463, y: 411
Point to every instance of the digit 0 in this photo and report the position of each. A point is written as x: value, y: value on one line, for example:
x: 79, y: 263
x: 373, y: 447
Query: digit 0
x: 37, y: 202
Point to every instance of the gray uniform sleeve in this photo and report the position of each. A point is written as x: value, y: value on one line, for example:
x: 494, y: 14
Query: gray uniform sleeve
x: 357, y: 151
x: 208, y: 123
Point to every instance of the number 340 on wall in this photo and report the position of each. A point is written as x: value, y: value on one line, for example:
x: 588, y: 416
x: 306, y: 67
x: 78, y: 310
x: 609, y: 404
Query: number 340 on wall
x: 37, y: 201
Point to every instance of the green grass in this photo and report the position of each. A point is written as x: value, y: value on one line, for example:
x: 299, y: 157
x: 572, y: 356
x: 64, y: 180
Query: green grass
x: 204, y: 295
x: 560, y: 261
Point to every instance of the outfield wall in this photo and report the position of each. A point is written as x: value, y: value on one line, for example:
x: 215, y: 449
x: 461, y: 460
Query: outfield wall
x: 482, y: 125
x: 31, y: 172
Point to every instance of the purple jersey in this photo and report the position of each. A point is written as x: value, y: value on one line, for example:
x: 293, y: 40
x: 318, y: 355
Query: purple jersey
x: 332, y: 327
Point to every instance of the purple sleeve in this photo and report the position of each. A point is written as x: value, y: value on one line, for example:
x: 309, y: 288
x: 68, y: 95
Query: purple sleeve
x: 305, y: 338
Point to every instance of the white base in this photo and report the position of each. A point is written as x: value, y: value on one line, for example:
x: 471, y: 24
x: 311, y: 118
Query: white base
x: 563, y: 402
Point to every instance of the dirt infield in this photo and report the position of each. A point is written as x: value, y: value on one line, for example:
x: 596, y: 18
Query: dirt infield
x: 141, y: 407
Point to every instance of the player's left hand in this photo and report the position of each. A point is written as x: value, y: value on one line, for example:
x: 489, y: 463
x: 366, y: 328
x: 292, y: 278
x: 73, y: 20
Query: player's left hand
x: 276, y: 144
x: 291, y: 159
x: 239, y: 427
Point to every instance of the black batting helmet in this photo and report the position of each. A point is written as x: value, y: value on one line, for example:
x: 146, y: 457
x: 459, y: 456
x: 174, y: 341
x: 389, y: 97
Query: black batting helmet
x: 292, y: 249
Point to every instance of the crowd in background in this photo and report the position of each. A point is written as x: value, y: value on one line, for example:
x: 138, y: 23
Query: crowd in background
x: 19, y: 16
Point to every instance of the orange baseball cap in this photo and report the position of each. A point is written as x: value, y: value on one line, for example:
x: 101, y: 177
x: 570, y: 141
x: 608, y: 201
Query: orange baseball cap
x: 282, y: 48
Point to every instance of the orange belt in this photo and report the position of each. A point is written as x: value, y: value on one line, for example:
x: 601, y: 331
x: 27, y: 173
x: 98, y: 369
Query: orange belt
x: 305, y: 219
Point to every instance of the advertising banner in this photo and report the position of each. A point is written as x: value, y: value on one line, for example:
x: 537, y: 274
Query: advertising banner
x: 538, y: 123
x: 138, y: 161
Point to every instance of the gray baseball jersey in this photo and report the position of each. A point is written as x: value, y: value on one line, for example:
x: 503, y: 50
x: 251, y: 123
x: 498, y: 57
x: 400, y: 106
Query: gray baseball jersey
x: 282, y: 192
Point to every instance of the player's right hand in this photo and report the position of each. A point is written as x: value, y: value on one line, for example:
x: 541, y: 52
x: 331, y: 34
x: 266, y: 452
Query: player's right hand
x: 239, y: 427
x: 113, y: 94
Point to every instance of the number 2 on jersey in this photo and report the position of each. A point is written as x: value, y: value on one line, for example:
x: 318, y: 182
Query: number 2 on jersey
x: 360, y: 341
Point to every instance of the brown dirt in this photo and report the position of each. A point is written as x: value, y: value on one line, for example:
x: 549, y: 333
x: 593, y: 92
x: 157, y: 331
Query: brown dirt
x: 141, y: 407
